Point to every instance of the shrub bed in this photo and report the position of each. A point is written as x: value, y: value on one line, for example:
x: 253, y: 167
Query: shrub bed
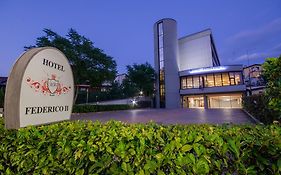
x: 257, y: 105
x: 98, y: 108
x: 118, y: 148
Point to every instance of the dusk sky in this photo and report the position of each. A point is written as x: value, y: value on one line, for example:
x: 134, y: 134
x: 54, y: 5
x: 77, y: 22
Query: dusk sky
x: 243, y: 30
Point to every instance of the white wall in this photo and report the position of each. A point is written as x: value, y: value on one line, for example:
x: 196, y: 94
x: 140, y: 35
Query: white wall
x: 195, y: 53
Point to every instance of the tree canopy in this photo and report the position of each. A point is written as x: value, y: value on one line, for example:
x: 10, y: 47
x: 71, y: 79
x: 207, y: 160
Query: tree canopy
x: 89, y: 63
x: 272, y: 74
x: 140, y: 77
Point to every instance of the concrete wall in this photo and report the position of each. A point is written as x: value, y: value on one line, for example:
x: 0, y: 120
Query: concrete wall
x: 195, y: 51
x: 172, y: 83
x: 170, y: 47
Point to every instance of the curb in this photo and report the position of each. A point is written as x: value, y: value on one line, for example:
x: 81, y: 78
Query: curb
x: 253, y: 118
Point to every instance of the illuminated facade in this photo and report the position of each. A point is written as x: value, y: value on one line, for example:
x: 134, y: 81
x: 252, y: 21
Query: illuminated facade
x: 189, y: 73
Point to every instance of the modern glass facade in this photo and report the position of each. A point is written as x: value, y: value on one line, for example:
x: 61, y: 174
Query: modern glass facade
x: 211, y: 80
x: 214, y: 101
x: 161, y: 65
x: 224, y: 101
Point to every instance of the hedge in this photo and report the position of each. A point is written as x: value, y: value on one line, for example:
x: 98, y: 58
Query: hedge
x: 118, y: 148
x: 98, y: 108
x: 257, y: 105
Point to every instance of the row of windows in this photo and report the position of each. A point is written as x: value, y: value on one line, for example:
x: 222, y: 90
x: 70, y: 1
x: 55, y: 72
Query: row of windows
x: 161, y: 66
x: 211, y: 80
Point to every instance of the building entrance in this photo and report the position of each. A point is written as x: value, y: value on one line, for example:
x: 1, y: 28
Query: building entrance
x: 213, y: 100
x: 193, y: 102
x: 225, y: 101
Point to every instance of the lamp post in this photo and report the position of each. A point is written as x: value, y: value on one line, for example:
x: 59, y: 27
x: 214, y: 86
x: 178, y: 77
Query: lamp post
x: 87, y: 87
x: 87, y: 97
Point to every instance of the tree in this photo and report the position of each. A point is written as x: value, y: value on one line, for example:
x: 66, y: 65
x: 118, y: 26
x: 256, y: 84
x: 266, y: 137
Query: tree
x: 140, y: 77
x: 89, y: 63
x: 272, y: 74
x: 129, y: 88
x: 2, y: 96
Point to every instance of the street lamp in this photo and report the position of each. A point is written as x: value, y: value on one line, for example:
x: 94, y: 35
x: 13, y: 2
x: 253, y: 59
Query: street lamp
x: 141, y: 93
x: 87, y: 98
x: 87, y: 87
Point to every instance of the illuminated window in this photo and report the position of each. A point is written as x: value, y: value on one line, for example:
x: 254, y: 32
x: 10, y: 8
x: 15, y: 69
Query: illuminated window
x: 225, y: 79
x: 232, y: 78
x: 238, y: 78
x: 161, y: 66
x: 189, y: 82
x: 218, y: 81
x: 183, y: 83
x: 209, y: 80
x: 196, y: 82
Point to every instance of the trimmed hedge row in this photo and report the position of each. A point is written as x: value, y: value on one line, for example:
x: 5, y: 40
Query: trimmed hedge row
x: 118, y: 148
x: 98, y: 108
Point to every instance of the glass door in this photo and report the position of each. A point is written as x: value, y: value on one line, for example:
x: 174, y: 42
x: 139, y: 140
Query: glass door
x: 193, y: 102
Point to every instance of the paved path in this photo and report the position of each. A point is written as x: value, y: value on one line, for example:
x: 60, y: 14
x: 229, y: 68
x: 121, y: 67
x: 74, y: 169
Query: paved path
x: 170, y: 116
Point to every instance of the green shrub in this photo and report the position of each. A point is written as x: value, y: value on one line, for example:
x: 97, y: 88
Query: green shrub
x: 257, y: 105
x: 118, y: 148
x: 98, y: 108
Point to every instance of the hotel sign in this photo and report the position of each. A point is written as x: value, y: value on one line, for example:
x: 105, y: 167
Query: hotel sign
x: 208, y: 69
x: 39, y: 89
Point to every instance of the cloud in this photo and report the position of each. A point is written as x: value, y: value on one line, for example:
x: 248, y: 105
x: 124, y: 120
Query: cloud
x: 272, y: 52
x: 277, y: 48
x: 273, y: 27
x: 252, y: 56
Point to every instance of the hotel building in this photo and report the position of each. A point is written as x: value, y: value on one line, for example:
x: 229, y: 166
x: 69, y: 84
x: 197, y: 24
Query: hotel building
x: 189, y: 73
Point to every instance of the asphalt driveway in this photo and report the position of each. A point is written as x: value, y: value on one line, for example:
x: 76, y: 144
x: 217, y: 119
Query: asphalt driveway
x: 170, y: 116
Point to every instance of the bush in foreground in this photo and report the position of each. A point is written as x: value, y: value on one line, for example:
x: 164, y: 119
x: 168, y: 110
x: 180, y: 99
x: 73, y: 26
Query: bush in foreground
x: 118, y: 148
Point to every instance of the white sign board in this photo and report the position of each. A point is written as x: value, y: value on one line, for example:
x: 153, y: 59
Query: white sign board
x: 40, y: 89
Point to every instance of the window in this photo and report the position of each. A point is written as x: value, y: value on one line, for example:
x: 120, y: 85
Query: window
x: 196, y: 82
x: 161, y: 54
x: 160, y: 28
x: 232, y: 78
x: 218, y: 81
x: 238, y: 78
x: 209, y: 80
x: 189, y: 83
x: 183, y: 83
x: 161, y: 75
x: 225, y: 79
x: 225, y: 101
x: 161, y: 66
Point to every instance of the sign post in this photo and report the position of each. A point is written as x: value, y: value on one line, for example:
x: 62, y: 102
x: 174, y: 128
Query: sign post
x: 39, y: 89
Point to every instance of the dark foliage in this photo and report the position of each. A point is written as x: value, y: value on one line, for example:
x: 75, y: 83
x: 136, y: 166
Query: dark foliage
x: 257, y: 105
x: 89, y: 63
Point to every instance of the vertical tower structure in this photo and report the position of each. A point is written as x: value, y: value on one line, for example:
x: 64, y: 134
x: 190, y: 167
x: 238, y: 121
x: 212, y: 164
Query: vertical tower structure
x: 166, y: 63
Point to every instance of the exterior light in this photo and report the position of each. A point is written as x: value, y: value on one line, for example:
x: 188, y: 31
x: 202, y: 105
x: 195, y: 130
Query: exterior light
x: 134, y: 102
x: 207, y: 69
x: 141, y: 92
